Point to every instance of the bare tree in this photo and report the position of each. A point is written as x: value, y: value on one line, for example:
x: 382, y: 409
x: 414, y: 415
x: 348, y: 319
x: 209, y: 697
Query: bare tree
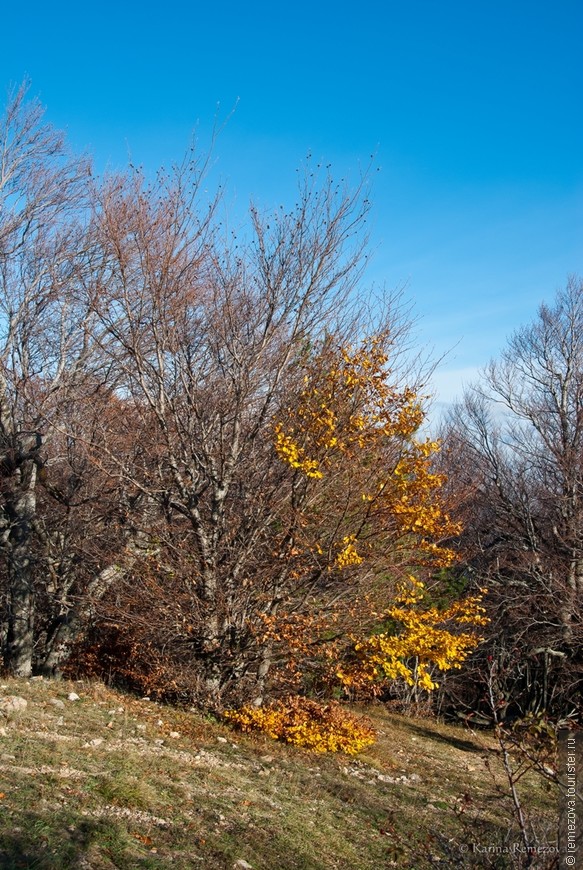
x: 207, y: 340
x: 43, y: 332
x: 517, y: 446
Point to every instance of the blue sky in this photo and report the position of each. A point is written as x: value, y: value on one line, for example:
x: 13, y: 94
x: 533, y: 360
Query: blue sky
x: 472, y: 109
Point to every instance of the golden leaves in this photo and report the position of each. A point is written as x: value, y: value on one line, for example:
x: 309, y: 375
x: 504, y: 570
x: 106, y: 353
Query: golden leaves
x: 291, y: 453
x: 427, y: 638
x: 306, y: 723
x: 378, y: 503
x: 349, y: 420
x: 348, y: 555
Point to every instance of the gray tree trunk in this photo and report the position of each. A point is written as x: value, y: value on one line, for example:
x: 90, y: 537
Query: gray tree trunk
x: 20, y: 512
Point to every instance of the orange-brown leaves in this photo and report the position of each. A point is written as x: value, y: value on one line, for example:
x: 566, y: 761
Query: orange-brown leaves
x: 306, y: 723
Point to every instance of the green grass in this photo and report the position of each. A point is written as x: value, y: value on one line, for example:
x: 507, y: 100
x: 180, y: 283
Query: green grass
x: 101, y: 784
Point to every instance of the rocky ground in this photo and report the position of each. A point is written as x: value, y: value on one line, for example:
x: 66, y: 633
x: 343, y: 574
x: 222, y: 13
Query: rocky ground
x: 92, y: 778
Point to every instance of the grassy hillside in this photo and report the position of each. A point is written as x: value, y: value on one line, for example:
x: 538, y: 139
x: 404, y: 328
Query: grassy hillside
x: 111, y: 781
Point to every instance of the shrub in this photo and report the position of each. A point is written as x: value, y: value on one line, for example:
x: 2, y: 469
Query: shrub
x: 306, y: 723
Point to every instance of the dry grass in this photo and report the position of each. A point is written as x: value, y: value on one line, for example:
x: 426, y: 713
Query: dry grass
x: 111, y: 781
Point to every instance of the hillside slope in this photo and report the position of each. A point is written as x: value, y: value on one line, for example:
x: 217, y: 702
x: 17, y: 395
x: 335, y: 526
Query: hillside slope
x: 106, y: 780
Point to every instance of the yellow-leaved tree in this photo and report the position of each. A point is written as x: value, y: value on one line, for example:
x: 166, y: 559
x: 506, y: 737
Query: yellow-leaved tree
x: 365, y: 509
x: 369, y: 522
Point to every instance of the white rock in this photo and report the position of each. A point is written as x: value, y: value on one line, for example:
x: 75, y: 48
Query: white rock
x: 242, y: 864
x: 222, y: 739
x: 97, y: 741
x: 56, y: 702
x: 382, y: 777
x: 174, y: 734
x: 12, y: 705
x: 73, y: 696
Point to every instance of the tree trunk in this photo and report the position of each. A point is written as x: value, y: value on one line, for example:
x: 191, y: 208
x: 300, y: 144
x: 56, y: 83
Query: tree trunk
x: 68, y: 627
x: 21, y: 511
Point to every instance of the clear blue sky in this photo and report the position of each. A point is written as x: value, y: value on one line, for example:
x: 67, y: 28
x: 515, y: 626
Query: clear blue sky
x: 473, y: 109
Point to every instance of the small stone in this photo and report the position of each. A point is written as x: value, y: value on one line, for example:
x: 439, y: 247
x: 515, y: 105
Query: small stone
x: 56, y: 702
x: 174, y: 735
x: 7, y: 757
x: 382, y: 777
x: 242, y: 865
x: 73, y: 696
x: 222, y: 740
x: 267, y: 758
x: 97, y: 741
x: 37, y: 679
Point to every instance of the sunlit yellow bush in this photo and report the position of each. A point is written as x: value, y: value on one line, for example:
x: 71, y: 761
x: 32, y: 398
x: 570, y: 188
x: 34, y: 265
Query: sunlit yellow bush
x: 306, y: 723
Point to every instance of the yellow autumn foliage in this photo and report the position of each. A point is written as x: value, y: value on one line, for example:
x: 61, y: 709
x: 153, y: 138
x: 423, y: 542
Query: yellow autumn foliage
x: 348, y: 417
x: 348, y: 555
x: 306, y: 723
x: 428, y: 639
x: 291, y: 453
x: 375, y: 511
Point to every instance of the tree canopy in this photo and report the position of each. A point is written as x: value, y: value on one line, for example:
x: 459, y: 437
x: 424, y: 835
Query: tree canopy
x: 216, y: 483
